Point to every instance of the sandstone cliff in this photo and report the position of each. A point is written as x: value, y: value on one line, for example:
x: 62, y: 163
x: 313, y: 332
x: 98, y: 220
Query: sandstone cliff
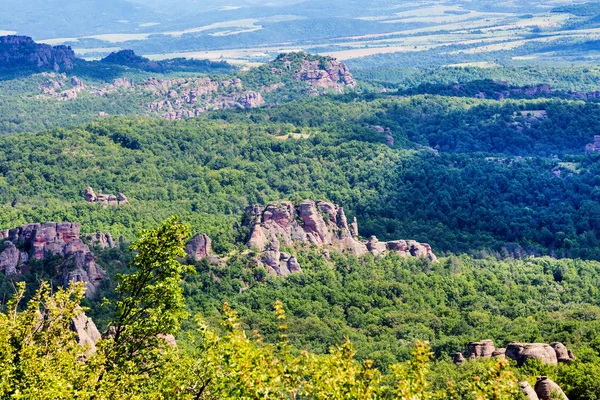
x: 39, y: 241
x: 22, y: 52
x: 319, y: 224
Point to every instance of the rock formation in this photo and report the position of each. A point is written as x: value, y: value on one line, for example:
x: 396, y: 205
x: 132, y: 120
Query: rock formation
x: 546, y: 389
x: 22, y: 52
x: 319, y: 224
x: 107, y: 199
x: 101, y: 240
x: 458, y: 358
x: 484, y: 348
x: 594, y: 146
x: 87, y: 333
x: 531, y: 351
x: 327, y: 73
x: 499, y: 353
x: 528, y: 391
x: 39, y: 241
x: 521, y: 352
x: 199, y: 247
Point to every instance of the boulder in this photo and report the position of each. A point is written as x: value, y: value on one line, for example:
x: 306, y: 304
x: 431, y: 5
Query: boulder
x: 528, y: 391
x: 199, y: 247
x: 484, y: 348
x: 499, y: 353
x: 521, y: 352
x: 90, y: 195
x: 546, y: 389
x: 562, y: 353
x: 458, y: 358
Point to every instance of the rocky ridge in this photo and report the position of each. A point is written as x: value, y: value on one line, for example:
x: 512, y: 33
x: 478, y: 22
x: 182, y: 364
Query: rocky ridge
x: 183, y: 98
x: 320, y: 224
x: 18, y: 52
x: 40, y: 241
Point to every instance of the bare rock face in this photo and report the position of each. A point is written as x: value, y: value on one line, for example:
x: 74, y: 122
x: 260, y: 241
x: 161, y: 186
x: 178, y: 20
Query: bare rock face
x: 528, y: 391
x: 87, y: 333
x: 101, y: 240
x: 484, y: 348
x: 38, y: 241
x: 22, y: 52
x: 199, y: 247
x: 250, y: 100
x: 327, y: 73
x: 521, y: 352
x: 546, y: 389
x: 320, y: 224
x: 106, y: 199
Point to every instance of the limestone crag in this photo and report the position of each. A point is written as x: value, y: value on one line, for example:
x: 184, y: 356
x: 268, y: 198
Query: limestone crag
x: 319, y: 224
x: 39, y: 241
x: 107, y: 199
x: 22, y: 52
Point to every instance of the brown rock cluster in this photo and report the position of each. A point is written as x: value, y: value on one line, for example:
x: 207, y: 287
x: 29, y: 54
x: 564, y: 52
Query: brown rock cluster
x: 319, y: 224
x: 39, y: 241
x: 107, y: 199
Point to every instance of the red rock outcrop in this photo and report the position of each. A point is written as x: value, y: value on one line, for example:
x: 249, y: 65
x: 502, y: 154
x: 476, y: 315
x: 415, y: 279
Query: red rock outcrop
x: 199, y: 247
x: 319, y: 224
x: 39, y: 241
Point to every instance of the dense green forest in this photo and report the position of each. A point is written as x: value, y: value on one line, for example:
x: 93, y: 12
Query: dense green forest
x: 502, y: 190
x: 456, y: 165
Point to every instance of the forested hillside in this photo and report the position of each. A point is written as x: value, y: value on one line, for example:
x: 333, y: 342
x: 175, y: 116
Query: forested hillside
x: 493, y: 174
